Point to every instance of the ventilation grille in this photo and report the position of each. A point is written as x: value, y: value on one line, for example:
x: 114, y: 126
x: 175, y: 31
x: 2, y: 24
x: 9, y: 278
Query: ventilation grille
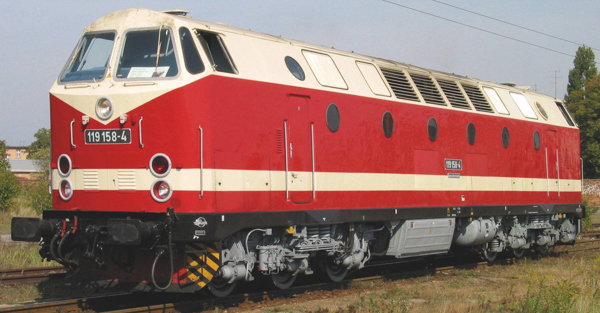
x: 280, y: 144
x: 400, y: 84
x: 453, y: 93
x: 126, y: 179
x: 90, y: 180
x: 427, y: 89
x: 477, y: 98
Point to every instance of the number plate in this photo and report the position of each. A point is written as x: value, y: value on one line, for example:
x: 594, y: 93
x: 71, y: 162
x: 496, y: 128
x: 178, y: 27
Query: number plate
x: 453, y: 164
x: 107, y: 136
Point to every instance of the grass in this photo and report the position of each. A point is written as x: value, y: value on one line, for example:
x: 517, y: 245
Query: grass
x: 591, y: 211
x: 19, y: 254
x: 552, y: 284
x: 17, y: 294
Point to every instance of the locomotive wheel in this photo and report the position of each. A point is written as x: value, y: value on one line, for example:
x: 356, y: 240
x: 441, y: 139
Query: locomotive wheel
x: 519, y: 252
x: 489, y: 256
x: 336, y: 273
x: 283, y: 280
x: 543, y: 250
x: 221, y: 288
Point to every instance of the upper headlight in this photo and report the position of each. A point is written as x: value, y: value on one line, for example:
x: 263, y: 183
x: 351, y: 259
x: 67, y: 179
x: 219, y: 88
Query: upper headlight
x: 104, y: 108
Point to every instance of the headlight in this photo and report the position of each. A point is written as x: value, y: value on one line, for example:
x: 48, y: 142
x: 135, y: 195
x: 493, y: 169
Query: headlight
x: 104, y: 108
x: 65, y: 189
x: 160, y: 165
x: 64, y: 165
x: 161, y: 190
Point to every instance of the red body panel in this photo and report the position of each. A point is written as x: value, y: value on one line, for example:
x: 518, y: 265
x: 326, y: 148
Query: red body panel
x: 243, y: 120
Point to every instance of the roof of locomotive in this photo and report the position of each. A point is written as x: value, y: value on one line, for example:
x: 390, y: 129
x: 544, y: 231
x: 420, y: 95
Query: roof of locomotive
x: 138, y: 18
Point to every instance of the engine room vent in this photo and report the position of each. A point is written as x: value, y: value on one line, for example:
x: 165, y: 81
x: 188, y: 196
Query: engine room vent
x: 427, y: 89
x: 91, y: 180
x: 279, y: 135
x: 126, y: 179
x: 454, y: 94
x: 477, y: 98
x: 400, y: 84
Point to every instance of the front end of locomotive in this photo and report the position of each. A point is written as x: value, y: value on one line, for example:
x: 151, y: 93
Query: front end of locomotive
x: 127, y: 120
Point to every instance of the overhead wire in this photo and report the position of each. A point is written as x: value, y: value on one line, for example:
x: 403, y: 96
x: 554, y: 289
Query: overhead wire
x: 515, y: 25
x: 480, y: 29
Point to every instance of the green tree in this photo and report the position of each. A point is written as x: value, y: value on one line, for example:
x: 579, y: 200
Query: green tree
x: 9, y: 185
x: 584, y: 68
x: 9, y: 189
x: 36, y: 194
x: 4, y: 164
x: 39, y: 150
x: 586, y: 111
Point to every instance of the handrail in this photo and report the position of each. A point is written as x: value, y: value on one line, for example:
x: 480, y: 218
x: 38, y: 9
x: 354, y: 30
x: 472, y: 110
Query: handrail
x: 547, y: 174
x: 72, y: 144
x: 558, y: 171
x: 312, y: 141
x: 140, y: 131
x: 581, y: 162
x: 201, y: 161
x: 287, y: 192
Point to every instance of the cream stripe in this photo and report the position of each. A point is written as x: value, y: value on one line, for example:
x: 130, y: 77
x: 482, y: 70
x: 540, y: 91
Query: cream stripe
x: 251, y: 180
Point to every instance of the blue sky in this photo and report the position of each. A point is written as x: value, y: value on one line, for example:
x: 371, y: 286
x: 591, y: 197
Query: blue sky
x: 37, y: 37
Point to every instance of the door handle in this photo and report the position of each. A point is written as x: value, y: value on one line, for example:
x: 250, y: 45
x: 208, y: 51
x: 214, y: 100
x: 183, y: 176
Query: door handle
x: 294, y: 175
x: 291, y: 151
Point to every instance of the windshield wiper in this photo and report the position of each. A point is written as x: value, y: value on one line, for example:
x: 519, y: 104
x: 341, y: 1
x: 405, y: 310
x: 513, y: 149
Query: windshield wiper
x: 158, y: 46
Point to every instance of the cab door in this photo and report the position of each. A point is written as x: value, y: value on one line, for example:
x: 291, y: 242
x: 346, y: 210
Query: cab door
x: 552, y: 165
x: 299, y: 151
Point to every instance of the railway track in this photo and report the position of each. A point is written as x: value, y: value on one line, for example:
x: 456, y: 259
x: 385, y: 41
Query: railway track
x: 31, y: 275
x: 157, y: 302
x: 595, y: 234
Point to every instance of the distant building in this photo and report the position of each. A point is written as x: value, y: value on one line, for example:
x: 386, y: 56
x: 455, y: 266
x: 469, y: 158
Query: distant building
x: 16, y: 153
x: 23, y: 169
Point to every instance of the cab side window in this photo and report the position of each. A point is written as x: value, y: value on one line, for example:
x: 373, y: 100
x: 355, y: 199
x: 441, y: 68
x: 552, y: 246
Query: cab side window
x: 193, y: 63
x: 217, y: 52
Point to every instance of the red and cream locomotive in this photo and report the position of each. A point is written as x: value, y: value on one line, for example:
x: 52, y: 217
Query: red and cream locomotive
x: 188, y: 154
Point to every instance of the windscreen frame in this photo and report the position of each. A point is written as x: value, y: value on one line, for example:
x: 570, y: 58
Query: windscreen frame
x: 76, y: 50
x: 123, y: 41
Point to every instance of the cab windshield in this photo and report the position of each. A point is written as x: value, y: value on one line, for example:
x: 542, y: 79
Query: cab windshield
x: 147, y: 54
x: 90, y: 59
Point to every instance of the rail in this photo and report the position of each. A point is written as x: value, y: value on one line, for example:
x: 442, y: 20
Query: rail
x: 31, y: 275
x: 161, y: 302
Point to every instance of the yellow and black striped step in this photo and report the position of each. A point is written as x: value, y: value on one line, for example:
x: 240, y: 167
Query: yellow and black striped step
x: 203, y: 261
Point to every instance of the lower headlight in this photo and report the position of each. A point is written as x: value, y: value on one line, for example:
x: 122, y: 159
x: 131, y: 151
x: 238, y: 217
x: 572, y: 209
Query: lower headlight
x: 161, y: 190
x: 65, y: 189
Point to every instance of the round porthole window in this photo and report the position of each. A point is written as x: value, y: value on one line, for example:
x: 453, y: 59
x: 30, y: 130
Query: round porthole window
x: 540, y: 109
x: 294, y: 67
x: 505, y: 137
x: 471, y: 134
x: 432, y: 129
x: 333, y: 118
x: 536, y: 140
x: 388, y: 124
